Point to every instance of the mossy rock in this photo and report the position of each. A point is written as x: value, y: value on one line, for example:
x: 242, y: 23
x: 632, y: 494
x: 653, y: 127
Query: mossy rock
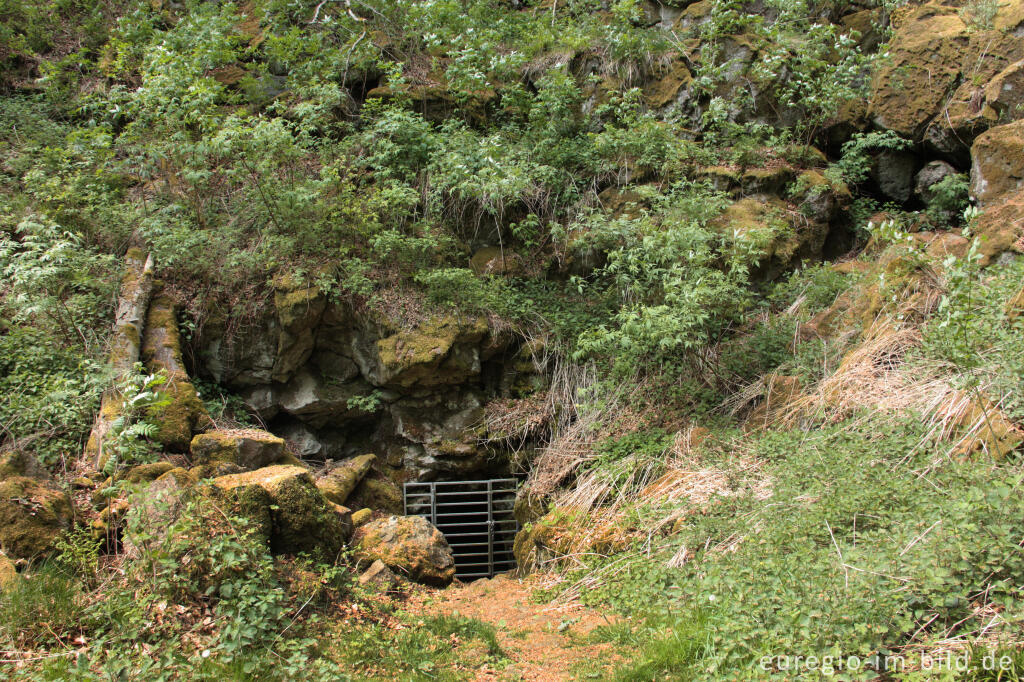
x: 997, y: 164
x: 20, y: 463
x: 1000, y: 229
x: 248, y: 448
x: 299, y: 310
x: 362, y: 516
x: 8, y: 573
x: 144, y: 473
x: 338, y: 483
x: 214, y: 470
x: 409, y: 545
x: 418, y: 357
x: 303, y: 520
x: 161, y: 351
x: 492, y: 260
x: 930, y: 47
x: 33, y: 514
x: 378, y: 494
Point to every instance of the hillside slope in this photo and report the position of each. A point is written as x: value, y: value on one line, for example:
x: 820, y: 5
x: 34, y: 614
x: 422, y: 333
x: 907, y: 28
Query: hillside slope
x: 734, y: 288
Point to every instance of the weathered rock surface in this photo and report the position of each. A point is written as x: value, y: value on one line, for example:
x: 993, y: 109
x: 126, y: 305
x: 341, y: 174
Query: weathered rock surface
x: 300, y: 518
x: 33, y: 514
x: 936, y: 62
x: 997, y: 168
x: 338, y: 482
x: 248, y: 448
x: 132, y: 302
x: 409, y: 545
x: 161, y: 351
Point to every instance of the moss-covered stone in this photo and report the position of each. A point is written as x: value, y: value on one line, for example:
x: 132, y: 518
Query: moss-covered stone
x: 303, y: 520
x: 299, y: 310
x: 378, y: 494
x: 33, y: 513
x: 932, y: 49
x: 492, y: 260
x: 144, y: 473
x: 339, y: 482
x: 161, y: 351
x: 425, y: 357
x: 409, y: 545
x: 8, y: 573
x: 20, y: 463
x: 997, y: 164
x: 362, y: 516
x: 248, y: 448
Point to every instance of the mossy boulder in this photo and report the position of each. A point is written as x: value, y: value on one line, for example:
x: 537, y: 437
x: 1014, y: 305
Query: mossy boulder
x: 20, y: 463
x: 248, y: 448
x: 377, y: 493
x: 997, y: 163
x: 338, y: 482
x: 409, y: 545
x: 33, y: 514
x: 362, y: 516
x: 145, y: 473
x: 161, y: 351
x: 439, y: 352
x: 1000, y: 229
x: 301, y: 518
x: 784, y: 239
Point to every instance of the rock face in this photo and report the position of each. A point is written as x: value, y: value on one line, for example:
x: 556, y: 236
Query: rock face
x: 997, y: 168
x: 934, y: 85
x: 248, y: 448
x: 409, y: 545
x: 33, y: 513
x: 997, y: 178
x: 285, y: 502
x: 337, y: 384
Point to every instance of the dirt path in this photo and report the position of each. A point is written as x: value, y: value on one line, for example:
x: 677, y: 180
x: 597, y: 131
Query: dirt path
x: 545, y: 642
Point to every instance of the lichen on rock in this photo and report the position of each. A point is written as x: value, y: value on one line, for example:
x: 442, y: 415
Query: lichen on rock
x: 409, y: 545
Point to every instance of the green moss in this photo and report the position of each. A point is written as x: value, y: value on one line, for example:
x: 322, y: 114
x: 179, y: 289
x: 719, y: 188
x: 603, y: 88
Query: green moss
x: 32, y: 515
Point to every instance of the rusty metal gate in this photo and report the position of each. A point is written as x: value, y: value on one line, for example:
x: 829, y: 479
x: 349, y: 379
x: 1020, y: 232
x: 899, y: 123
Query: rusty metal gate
x: 476, y: 519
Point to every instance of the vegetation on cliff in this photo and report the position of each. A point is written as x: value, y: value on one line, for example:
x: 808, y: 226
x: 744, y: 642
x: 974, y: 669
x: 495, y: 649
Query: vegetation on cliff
x: 735, y: 285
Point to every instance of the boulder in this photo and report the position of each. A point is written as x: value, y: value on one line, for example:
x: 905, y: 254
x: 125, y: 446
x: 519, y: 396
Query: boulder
x: 33, y: 514
x: 997, y: 164
x: 337, y: 483
x: 301, y: 518
x: 933, y: 173
x: 378, y: 494
x: 161, y: 351
x: 362, y: 516
x: 20, y: 463
x: 893, y: 171
x: 409, y: 545
x: 248, y: 448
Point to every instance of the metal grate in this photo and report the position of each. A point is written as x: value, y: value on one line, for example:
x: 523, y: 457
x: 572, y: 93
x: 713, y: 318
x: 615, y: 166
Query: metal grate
x: 476, y: 519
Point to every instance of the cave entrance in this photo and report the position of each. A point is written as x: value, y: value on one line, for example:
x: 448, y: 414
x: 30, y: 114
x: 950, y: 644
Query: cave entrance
x: 476, y: 519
